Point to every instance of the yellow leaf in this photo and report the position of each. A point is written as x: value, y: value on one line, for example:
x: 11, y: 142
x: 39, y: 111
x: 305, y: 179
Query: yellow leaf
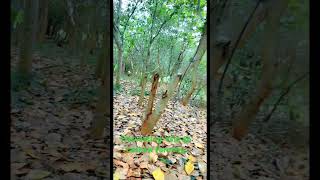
x: 158, y: 174
x: 191, y: 158
x: 189, y: 167
x: 116, y: 175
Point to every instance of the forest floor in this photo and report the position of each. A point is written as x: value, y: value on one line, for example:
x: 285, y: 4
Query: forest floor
x: 49, y: 134
x: 255, y: 157
x: 50, y: 121
x: 177, y: 120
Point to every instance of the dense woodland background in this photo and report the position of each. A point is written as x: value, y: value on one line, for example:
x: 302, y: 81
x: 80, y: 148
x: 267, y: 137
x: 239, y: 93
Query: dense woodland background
x: 259, y: 85
x: 258, y: 58
x: 60, y: 56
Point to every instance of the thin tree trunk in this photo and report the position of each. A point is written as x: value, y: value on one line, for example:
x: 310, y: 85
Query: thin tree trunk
x: 178, y: 63
x: 149, y: 107
x: 170, y: 59
x: 149, y: 124
x: 17, y: 34
x: 222, y: 46
x: 144, y: 80
x: 143, y: 87
x: 72, y: 27
x: 103, y: 107
x: 99, y: 67
x: 43, y: 20
x: 73, y: 39
x: 194, y: 63
x: 119, y: 70
x: 244, y: 118
x: 27, y: 45
x: 186, y: 99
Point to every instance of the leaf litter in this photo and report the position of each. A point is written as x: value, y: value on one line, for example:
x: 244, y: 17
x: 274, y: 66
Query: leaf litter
x: 49, y: 107
x: 50, y: 121
x: 177, y: 120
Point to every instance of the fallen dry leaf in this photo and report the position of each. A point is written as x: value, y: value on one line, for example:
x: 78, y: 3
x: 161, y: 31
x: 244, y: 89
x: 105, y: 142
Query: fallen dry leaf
x: 153, y: 156
x: 31, y: 153
x: 170, y: 177
x: 198, y: 145
x: 202, y: 167
x: 191, y: 158
x: 37, y: 174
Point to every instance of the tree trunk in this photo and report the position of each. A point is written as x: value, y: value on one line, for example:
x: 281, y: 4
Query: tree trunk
x: 30, y: 28
x: 93, y: 29
x: 186, y: 99
x: 103, y: 106
x: 244, y: 118
x: 119, y: 70
x: 92, y: 43
x: 178, y: 63
x: 74, y: 33
x: 201, y: 49
x: 143, y: 87
x: 170, y: 59
x: 149, y: 107
x: 149, y: 124
x: 99, y: 67
x: 43, y: 20
x: 222, y: 45
x: 83, y: 51
x: 73, y: 38
x: 144, y: 76
x: 17, y: 34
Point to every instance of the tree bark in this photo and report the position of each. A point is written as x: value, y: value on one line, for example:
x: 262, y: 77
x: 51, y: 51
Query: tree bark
x: 119, y: 70
x: 201, y: 49
x: 153, y: 90
x: 244, y: 118
x: 144, y: 76
x: 27, y: 45
x: 43, y: 20
x: 222, y: 44
x: 149, y: 124
x: 103, y: 107
x: 99, y: 67
x: 151, y: 40
x: 143, y: 87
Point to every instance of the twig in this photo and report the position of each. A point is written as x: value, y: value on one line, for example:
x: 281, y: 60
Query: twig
x: 284, y: 93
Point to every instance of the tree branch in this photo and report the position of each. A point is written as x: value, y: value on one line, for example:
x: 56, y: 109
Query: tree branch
x: 129, y: 17
x: 284, y: 93
x: 236, y: 45
x: 159, y: 30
